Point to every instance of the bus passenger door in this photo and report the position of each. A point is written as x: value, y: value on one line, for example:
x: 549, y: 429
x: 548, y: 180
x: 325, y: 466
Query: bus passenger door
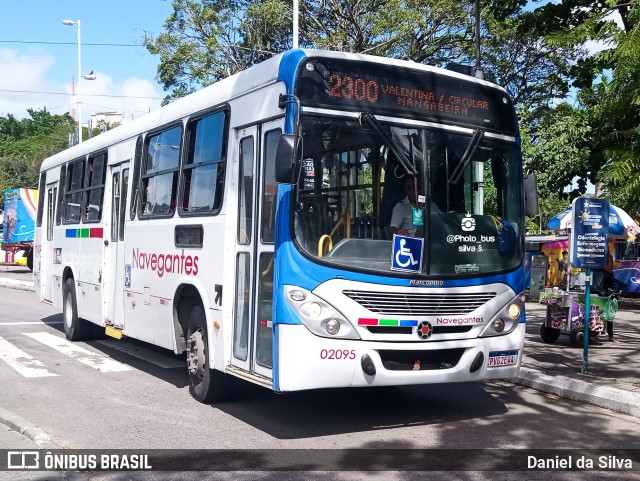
x: 46, y: 252
x: 257, y: 193
x: 113, y: 269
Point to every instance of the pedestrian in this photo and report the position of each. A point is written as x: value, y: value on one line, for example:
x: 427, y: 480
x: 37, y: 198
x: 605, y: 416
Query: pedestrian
x: 609, y: 273
x: 563, y: 265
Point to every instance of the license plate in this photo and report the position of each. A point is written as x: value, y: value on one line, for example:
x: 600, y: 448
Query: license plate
x: 504, y: 358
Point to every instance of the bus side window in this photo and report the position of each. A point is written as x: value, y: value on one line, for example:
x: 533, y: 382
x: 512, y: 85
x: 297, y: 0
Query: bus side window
x: 74, y: 183
x: 160, y: 173
x: 136, y: 179
x: 60, y: 201
x: 96, y: 172
x: 204, y: 169
x: 43, y: 185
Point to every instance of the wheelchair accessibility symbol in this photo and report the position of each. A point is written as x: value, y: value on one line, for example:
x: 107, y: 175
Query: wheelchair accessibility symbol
x: 407, y: 253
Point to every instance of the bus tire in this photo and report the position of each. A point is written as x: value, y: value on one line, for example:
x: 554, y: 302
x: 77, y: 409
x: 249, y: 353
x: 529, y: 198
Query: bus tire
x: 206, y: 385
x: 75, y: 329
x: 30, y: 260
x: 549, y: 335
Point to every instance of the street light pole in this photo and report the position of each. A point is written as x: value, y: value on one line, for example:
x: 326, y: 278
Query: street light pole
x: 79, y: 99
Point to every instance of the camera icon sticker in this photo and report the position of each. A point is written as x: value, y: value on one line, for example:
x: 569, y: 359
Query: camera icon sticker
x: 468, y: 223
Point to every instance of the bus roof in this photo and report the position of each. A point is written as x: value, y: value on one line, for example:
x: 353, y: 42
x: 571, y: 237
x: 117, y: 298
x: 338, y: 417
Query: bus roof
x: 281, y: 67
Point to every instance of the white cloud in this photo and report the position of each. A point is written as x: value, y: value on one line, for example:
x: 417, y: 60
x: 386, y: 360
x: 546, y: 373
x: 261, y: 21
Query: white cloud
x: 23, y: 74
x: 595, y: 47
x: 132, y: 97
x: 25, y: 85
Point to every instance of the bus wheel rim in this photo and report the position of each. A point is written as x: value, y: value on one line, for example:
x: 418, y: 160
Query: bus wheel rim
x: 196, y: 355
x: 68, y: 312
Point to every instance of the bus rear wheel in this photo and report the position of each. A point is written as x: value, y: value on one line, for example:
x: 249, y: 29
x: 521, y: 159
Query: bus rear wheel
x: 75, y: 329
x: 30, y: 260
x: 206, y: 385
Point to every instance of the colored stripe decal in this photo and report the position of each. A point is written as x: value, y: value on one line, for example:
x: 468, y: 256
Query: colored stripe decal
x: 363, y: 321
x: 93, y: 232
x: 388, y: 322
x: 367, y: 322
x: 408, y: 323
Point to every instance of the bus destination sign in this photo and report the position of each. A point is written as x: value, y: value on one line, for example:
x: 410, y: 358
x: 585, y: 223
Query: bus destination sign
x: 418, y: 94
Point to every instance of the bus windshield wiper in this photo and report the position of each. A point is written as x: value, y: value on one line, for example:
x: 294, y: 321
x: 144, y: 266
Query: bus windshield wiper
x: 369, y: 120
x: 466, y: 157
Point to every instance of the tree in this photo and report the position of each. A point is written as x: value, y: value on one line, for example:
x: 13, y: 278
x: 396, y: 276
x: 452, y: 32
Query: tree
x: 609, y: 87
x: 515, y: 57
x: 205, y: 41
x: 26, y: 143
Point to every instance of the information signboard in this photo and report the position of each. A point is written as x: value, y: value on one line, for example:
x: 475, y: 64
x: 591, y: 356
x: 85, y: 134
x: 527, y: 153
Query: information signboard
x: 589, y: 233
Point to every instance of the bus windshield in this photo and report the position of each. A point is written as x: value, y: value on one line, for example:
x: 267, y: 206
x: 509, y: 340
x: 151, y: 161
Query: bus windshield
x: 467, y: 205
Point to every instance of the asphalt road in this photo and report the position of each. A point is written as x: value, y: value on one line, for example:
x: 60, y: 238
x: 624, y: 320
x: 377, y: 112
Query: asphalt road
x: 131, y: 395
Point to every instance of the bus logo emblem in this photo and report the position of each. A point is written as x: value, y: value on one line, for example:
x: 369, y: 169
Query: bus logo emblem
x: 424, y: 330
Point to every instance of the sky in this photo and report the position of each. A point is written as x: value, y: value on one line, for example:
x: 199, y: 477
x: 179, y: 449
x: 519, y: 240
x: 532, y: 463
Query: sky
x: 39, y: 56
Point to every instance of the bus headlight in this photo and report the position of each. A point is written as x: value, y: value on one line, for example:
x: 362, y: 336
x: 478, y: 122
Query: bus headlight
x: 320, y: 317
x: 333, y: 326
x: 297, y: 295
x: 506, y: 319
x: 311, y: 309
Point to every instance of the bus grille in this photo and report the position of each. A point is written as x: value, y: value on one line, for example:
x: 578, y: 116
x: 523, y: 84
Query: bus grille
x: 420, y: 360
x: 420, y: 304
x: 410, y: 330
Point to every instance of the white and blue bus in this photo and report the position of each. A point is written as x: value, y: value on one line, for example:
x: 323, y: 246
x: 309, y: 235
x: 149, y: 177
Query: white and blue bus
x: 248, y: 224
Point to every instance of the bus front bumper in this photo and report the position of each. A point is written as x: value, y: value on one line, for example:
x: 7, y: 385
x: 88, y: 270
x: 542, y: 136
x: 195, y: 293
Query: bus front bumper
x: 307, y: 361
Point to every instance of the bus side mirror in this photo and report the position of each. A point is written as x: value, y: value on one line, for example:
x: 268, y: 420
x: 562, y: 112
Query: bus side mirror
x: 530, y: 195
x: 288, y: 159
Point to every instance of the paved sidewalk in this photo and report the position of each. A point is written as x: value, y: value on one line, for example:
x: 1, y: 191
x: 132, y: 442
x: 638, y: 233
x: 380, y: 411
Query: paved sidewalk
x: 16, y: 277
x: 612, y: 378
x: 17, y: 434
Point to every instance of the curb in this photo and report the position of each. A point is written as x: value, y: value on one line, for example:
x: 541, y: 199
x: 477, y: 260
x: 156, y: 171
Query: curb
x: 626, y: 402
x: 38, y: 436
x: 19, y: 285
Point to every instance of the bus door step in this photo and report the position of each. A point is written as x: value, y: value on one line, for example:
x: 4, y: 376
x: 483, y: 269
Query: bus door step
x: 113, y: 332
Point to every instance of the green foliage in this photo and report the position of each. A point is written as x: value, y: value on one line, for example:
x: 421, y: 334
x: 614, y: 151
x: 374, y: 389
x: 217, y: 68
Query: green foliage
x: 557, y: 149
x: 26, y: 143
x: 531, y: 71
x: 205, y: 41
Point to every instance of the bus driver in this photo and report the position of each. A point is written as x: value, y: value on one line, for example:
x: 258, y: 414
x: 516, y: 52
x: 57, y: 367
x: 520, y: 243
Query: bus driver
x: 402, y: 214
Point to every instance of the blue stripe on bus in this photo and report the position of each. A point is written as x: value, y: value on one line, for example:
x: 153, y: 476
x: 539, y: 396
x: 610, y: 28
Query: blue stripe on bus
x: 275, y: 371
x: 408, y: 323
x: 287, y: 74
x: 71, y: 233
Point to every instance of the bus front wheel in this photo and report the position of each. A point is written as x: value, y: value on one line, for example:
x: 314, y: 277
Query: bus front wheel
x: 205, y: 384
x: 75, y: 329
